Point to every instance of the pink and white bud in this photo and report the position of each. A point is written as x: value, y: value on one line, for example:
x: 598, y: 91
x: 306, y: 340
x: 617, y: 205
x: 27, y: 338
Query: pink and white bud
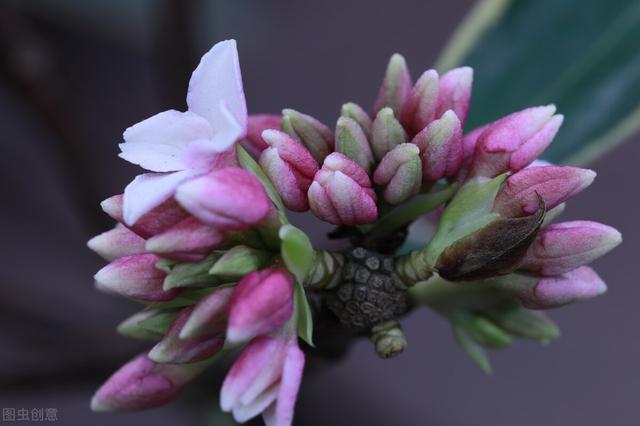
x: 265, y: 380
x: 314, y: 135
x: 513, y: 142
x: 262, y: 302
x: 142, y: 384
x: 256, y: 124
x: 135, y: 276
x: 420, y: 108
x: 341, y: 193
x: 440, y: 145
x: 188, y: 240
x: 173, y: 349
x: 118, y: 242
x: 290, y: 168
x: 210, y: 313
x: 400, y: 172
x: 555, y: 184
x: 359, y: 115
x: 227, y: 199
x: 562, y: 247
x: 152, y: 223
x: 549, y: 292
x: 395, y: 87
x: 454, y: 92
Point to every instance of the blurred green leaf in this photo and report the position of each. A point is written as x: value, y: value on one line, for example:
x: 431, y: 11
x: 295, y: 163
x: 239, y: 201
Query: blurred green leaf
x: 581, y: 55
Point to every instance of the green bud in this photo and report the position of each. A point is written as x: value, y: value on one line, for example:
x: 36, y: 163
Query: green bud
x: 472, y: 348
x: 359, y: 115
x: 314, y: 135
x: 496, y: 249
x: 524, y: 322
x: 395, y: 86
x: 481, y: 329
x: 352, y: 142
x: 386, y: 133
x: 239, y: 261
x: 150, y: 324
x: 388, y: 339
x: 192, y: 274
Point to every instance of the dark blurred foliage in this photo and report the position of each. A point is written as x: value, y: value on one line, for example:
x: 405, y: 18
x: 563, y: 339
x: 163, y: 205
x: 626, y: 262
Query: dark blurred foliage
x: 72, y: 82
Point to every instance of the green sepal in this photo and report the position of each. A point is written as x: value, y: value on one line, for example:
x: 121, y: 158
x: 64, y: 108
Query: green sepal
x: 192, y: 274
x: 249, y: 164
x: 304, y: 320
x: 297, y: 251
x: 238, y: 262
x: 149, y: 324
x: 472, y: 348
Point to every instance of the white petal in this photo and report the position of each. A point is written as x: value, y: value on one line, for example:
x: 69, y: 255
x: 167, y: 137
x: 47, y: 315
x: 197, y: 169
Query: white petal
x: 217, y: 78
x: 207, y: 152
x: 242, y: 413
x: 150, y: 190
x: 158, y: 143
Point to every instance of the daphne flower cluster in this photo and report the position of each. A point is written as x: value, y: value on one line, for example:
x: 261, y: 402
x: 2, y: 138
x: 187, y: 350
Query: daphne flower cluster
x: 204, y: 244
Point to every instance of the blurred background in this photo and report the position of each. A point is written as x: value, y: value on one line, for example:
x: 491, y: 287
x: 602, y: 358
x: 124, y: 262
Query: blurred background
x: 75, y: 73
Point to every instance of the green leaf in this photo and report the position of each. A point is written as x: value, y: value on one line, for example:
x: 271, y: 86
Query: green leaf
x: 250, y: 165
x: 305, y: 317
x: 580, y: 55
x: 473, y: 349
x: 297, y: 251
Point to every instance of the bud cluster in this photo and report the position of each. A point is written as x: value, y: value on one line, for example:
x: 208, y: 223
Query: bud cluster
x: 204, y: 243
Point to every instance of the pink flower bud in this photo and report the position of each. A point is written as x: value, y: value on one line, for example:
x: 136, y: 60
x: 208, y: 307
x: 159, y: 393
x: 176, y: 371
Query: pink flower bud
x: 400, y: 172
x: 173, y: 349
x: 154, y: 222
x: 440, y: 145
x: 513, y: 142
x: 262, y: 301
x: 395, y: 86
x: 135, y: 276
x: 454, y: 92
x: 313, y: 134
x: 227, y: 199
x: 420, y: 108
x: 264, y: 380
x: 118, y: 242
x: 290, y: 167
x: 580, y: 284
x: 258, y: 123
x: 210, y: 313
x: 142, y: 384
x: 561, y: 247
x: 188, y: 240
x: 554, y: 184
x: 341, y: 193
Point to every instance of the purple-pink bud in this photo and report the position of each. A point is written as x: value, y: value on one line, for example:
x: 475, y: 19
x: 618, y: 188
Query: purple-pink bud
x: 440, y: 145
x: 227, y: 199
x: 555, y: 184
x: 400, y: 172
x: 142, y: 384
x: 135, y: 276
x: 561, y: 247
x: 173, y: 349
x: 154, y: 222
x: 262, y: 301
x: 454, y: 92
x: 420, y: 108
x: 341, y: 193
x: 118, y: 242
x: 513, y: 142
x: 579, y: 284
x: 188, y: 240
x: 210, y: 313
x: 264, y: 380
x: 395, y: 86
x: 256, y: 124
x: 290, y: 167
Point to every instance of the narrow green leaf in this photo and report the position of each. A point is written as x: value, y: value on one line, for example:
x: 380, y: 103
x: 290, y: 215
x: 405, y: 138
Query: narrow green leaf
x: 305, y: 317
x: 473, y: 349
x: 297, y: 251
